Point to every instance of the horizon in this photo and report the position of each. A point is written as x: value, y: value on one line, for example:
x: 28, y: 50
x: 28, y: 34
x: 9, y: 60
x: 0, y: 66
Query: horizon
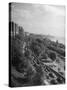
x: 39, y: 18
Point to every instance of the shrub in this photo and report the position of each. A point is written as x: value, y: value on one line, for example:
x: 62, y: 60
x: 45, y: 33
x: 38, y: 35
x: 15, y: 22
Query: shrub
x: 44, y: 56
x: 53, y: 82
x: 51, y: 75
x: 52, y: 55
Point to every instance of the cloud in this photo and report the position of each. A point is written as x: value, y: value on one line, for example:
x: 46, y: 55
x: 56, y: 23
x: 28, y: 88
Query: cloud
x: 56, y: 10
x: 40, y: 18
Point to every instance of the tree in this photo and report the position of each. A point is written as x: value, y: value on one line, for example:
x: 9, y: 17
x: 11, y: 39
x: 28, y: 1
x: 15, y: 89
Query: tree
x: 52, y: 55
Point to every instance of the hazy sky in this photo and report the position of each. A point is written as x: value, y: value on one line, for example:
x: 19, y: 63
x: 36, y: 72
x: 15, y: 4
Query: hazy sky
x: 40, y: 18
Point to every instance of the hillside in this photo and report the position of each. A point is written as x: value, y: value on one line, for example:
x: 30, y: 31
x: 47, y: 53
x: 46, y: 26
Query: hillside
x: 35, y: 59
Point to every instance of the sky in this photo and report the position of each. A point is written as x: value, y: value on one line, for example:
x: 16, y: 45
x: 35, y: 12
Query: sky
x: 40, y: 18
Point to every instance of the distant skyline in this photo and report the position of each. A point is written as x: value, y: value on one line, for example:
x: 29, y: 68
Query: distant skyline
x: 40, y: 18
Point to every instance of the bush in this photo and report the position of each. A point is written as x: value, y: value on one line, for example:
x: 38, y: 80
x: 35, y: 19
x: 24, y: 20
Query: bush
x: 52, y: 55
x: 53, y: 82
x: 51, y: 75
x: 44, y: 56
x: 59, y: 80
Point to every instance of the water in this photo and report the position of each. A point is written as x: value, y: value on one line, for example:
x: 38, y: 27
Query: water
x: 60, y: 40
